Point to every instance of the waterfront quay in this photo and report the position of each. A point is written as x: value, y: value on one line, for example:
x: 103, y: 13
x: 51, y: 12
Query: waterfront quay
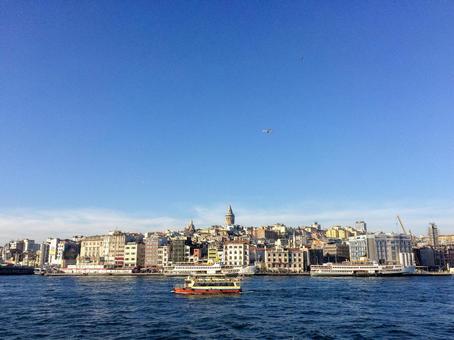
x: 120, y: 274
x: 232, y: 249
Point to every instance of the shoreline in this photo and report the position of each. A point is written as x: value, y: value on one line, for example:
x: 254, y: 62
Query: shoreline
x: 437, y: 274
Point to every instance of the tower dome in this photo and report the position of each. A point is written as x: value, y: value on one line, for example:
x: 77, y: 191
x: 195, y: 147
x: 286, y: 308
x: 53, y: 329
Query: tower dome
x: 230, y: 216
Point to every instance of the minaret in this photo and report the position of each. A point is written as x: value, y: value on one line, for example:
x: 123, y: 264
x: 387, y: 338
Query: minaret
x: 230, y: 216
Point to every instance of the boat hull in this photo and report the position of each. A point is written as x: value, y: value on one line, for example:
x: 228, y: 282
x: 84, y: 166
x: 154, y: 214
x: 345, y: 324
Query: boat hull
x: 16, y: 270
x: 192, y: 291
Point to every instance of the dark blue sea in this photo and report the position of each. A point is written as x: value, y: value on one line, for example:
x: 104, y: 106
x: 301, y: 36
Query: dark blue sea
x: 269, y: 308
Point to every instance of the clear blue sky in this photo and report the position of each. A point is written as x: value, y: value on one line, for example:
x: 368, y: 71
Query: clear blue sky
x: 158, y: 106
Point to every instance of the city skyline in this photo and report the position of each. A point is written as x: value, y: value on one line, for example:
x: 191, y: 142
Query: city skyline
x: 68, y: 223
x: 143, y: 117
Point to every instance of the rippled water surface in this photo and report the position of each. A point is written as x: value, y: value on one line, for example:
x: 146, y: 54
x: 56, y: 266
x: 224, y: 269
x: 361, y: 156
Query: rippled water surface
x: 269, y: 307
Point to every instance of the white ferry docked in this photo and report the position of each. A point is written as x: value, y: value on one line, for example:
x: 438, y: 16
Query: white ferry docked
x: 193, y: 269
x: 359, y: 269
x: 186, y: 269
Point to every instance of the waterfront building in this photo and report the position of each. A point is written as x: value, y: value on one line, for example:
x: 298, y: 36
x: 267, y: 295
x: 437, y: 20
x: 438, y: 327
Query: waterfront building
x: 134, y: 254
x: 43, y: 255
x: 61, y: 253
x: 152, y: 244
x: 15, y: 251
x: 382, y: 248
x: 180, y: 250
x: 230, y: 217
x: 256, y: 254
x: 313, y: 256
x: 280, y: 259
x: 276, y: 259
x: 29, y: 259
x: 336, y: 252
x: 92, y: 250
x: 362, y: 247
x: 17, y: 246
x: 54, y: 259
x: 107, y: 249
x: 214, y: 253
x: 6, y: 254
x: 433, y: 235
x: 30, y: 246
x: 67, y: 253
x: 430, y: 258
x: 114, y: 246
x: 236, y: 253
x: 449, y: 256
x: 163, y: 256
x: 22, y: 252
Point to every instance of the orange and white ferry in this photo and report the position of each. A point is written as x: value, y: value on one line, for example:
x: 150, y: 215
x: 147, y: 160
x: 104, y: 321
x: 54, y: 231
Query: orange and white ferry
x: 206, y: 285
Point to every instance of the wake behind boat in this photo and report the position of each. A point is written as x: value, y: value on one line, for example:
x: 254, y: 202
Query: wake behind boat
x: 209, y: 285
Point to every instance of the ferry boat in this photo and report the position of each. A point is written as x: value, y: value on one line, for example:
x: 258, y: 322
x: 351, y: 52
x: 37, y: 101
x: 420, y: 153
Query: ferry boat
x: 360, y: 269
x: 239, y: 270
x: 185, y: 269
x: 208, y: 285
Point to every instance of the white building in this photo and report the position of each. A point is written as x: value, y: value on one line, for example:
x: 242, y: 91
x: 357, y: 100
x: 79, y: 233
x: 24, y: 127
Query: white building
x: 236, y: 253
x: 62, y: 253
x: 53, y: 259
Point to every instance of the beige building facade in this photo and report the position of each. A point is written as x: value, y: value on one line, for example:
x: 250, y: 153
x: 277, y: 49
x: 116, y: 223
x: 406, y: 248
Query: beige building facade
x: 134, y: 254
x: 91, y: 250
x: 279, y: 259
x: 106, y: 250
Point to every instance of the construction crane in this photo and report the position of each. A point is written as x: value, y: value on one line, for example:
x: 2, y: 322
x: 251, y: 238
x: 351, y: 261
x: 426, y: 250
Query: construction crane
x: 402, y: 225
x: 412, y: 239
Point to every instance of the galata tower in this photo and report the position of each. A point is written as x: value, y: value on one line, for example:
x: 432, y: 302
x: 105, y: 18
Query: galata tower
x: 230, y: 216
